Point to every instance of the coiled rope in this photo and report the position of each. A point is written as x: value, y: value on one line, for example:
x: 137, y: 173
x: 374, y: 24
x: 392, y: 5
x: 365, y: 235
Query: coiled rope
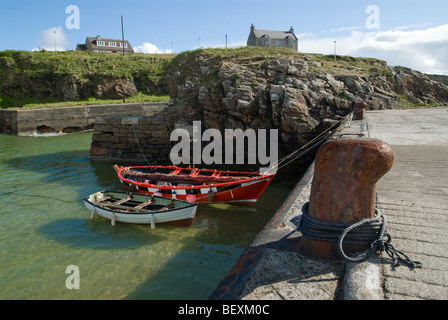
x: 369, y: 232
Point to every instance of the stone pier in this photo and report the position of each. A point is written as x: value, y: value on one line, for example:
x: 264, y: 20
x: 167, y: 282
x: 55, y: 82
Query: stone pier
x: 413, y: 196
x: 137, y: 139
x: 68, y: 119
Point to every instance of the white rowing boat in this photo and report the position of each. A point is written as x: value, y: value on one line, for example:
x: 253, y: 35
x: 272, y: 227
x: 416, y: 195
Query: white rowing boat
x: 140, y: 208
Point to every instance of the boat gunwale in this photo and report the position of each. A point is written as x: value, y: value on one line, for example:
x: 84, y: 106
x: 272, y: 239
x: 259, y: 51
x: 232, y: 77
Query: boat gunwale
x: 189, y: 187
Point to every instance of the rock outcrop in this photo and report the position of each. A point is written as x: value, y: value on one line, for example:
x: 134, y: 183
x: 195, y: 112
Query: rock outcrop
x: 297, y: 94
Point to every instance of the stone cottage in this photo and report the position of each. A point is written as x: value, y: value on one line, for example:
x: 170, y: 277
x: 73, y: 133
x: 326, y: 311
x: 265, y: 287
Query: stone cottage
x: 272, y: 38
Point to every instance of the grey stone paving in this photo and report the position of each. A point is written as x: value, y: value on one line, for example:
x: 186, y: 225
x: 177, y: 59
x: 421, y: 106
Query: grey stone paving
x: 414, y: 197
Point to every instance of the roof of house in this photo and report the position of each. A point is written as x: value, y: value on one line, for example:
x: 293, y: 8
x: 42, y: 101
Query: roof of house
x: 274, y: 34
x: 81, y: 46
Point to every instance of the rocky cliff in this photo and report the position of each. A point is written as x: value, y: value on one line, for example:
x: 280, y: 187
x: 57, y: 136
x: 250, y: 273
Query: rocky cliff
x: 298, y: 94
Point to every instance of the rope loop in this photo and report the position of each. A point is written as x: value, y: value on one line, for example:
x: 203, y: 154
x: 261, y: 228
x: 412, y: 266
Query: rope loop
x: 368, y: 232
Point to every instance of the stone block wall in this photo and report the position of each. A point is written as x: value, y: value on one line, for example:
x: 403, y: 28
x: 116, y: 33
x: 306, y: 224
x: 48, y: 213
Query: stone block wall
x: 68, y: 119
x: 134, y: 139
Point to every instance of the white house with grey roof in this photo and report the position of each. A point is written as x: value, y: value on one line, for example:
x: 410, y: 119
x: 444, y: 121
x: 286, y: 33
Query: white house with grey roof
x: 272, y: 38
x: 98, y: 44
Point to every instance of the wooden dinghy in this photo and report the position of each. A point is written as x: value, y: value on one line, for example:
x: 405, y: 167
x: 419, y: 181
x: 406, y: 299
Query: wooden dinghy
x: 139, y: 208
x: 195, y: 185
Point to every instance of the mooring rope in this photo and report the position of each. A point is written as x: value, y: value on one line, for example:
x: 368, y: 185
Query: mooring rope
x: 316, y: 141
x: 370, y: 232
x: 141, y: 151
x: 138, y: 143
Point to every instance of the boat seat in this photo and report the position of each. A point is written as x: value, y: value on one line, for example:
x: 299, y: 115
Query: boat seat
x: 144, y: 204
x: 129, y: 197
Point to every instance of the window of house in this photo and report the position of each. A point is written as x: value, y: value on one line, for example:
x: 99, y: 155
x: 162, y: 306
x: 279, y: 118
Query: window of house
x: 112, y: 44
x: 99, y: 42
x: 264, y: 41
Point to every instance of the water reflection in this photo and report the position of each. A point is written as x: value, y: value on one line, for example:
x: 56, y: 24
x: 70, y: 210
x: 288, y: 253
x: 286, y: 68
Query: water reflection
x: 84, y: 233
x: 45, y: 226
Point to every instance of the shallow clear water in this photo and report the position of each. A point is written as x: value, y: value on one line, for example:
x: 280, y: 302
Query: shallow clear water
x: 44, y: 228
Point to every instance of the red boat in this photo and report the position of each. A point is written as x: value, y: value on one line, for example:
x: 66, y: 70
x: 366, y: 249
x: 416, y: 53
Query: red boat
x: 196, y: 185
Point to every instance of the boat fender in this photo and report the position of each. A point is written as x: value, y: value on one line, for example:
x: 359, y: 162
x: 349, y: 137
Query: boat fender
x: 112, y: 220
x: 153, y: 224
x: 210, y: 194
x: 191, y: 197
x: 92, y: 214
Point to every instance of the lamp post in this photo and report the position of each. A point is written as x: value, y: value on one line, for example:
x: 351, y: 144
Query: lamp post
x: 122, y: 36
x: 334, y: 50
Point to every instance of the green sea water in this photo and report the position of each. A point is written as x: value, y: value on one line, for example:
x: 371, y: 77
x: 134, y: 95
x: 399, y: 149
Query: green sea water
x: 44, y: 228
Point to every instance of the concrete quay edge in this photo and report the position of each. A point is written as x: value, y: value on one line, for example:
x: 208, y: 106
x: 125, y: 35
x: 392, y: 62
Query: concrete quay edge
x: 271, y: 268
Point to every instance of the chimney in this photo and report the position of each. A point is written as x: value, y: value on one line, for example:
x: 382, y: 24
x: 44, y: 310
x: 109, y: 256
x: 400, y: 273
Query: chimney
x: 252, y: 28
x: 291, y: 30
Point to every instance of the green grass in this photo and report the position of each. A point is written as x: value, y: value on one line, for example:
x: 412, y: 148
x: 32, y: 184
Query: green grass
x: 31, y: 79
x: 344, y: 65
x: 247, y: 52
x: 406, y: 103
x: 82, y: 63
x: 139, y: 97
x: 350, y: 66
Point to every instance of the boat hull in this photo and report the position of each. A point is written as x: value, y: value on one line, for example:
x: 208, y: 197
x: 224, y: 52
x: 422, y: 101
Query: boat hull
x: 243, y: 191
x: 181, y: 216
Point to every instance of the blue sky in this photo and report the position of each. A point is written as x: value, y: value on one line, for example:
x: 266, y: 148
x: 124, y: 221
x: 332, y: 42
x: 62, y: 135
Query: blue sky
x: 402, y: 32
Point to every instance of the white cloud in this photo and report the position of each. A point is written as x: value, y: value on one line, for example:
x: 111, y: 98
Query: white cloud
x: 345, y: 29
x: 425, y: 50
x: 147, y: 47
x: 53, y: 38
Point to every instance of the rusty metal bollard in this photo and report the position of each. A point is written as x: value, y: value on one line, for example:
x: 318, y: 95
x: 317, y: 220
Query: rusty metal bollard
x: 344, y: 187
x: 358, y: 110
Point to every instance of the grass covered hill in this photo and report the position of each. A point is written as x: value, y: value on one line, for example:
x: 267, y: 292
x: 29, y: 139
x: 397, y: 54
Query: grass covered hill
x: 46, y: 79
x: 29, y: 78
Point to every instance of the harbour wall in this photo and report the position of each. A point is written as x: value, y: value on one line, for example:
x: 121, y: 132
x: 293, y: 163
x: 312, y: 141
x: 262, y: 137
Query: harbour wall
x: 146, y: 140
x: 138, y: 139
x: 69, y: 119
